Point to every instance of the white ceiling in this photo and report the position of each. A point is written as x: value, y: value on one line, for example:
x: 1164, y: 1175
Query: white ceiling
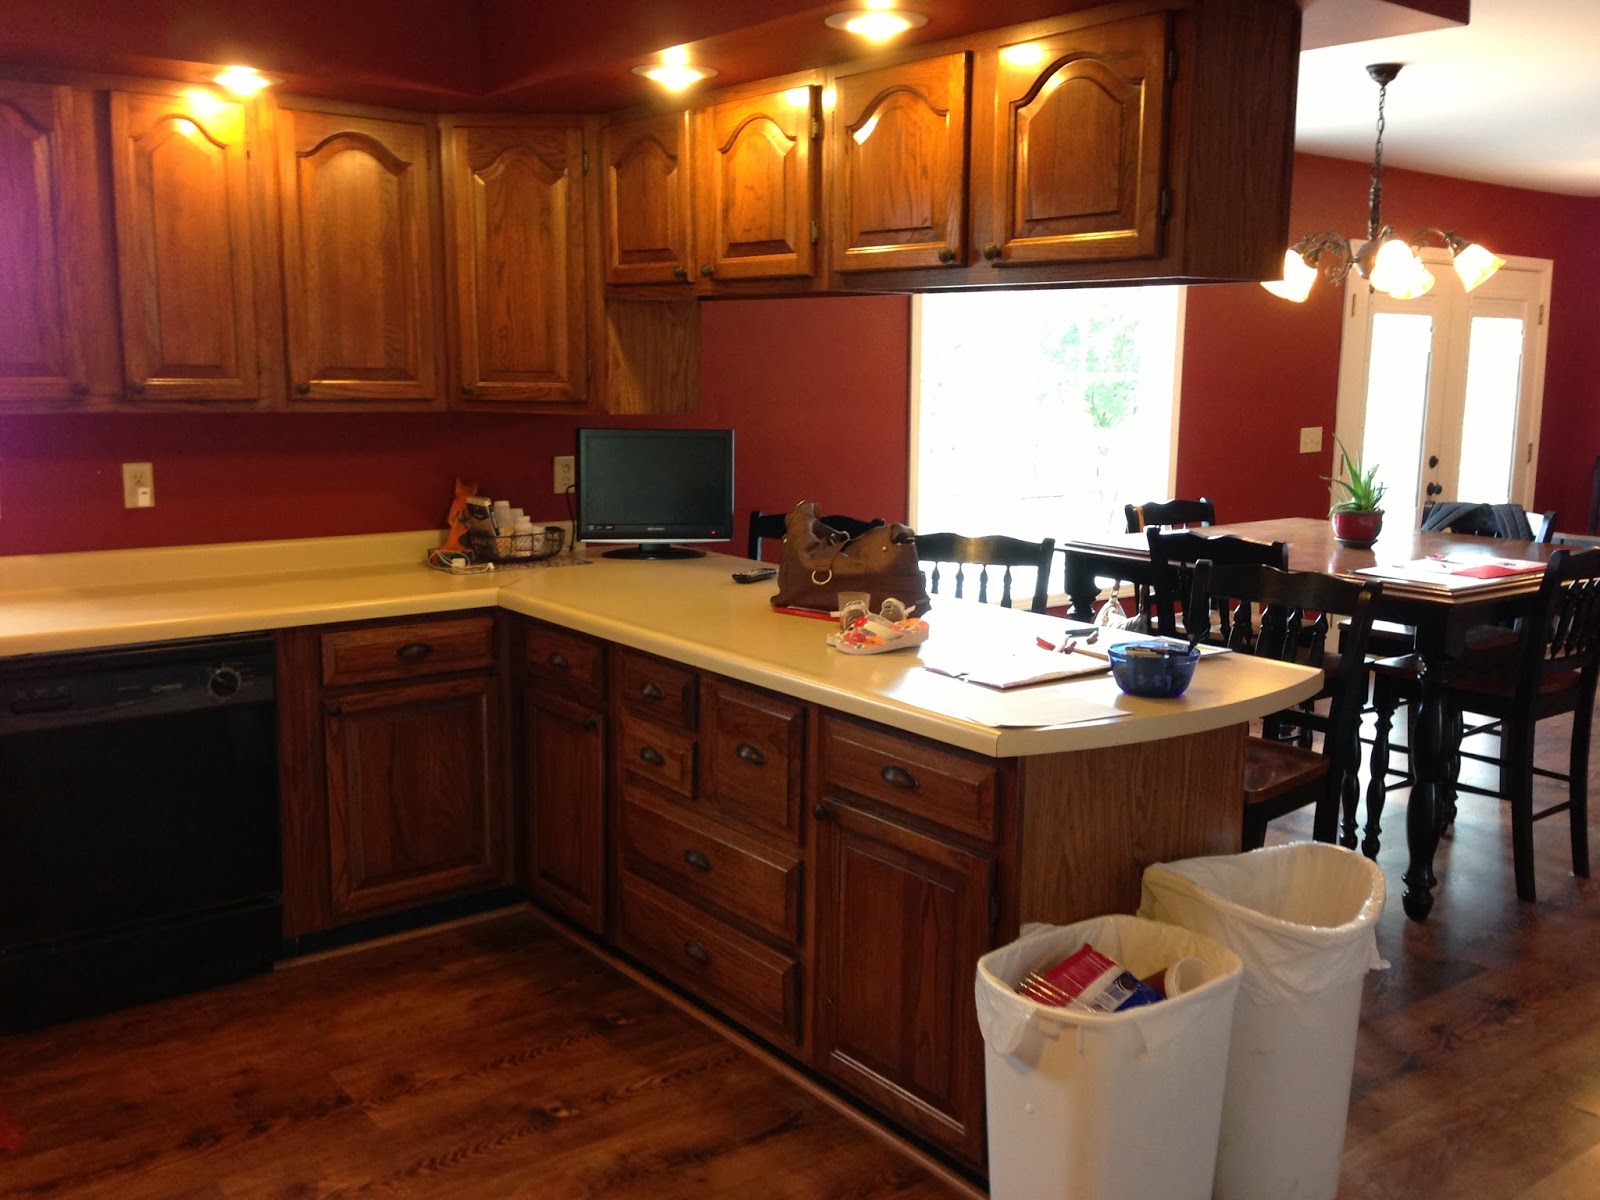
x: 1512, y: 97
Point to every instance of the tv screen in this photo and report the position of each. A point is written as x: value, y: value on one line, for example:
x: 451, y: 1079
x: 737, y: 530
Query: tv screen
x: 655, y: 487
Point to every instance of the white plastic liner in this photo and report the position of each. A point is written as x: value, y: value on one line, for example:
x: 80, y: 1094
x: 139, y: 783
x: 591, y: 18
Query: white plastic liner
x: 1124, y: 1105
x: 1303, y: 920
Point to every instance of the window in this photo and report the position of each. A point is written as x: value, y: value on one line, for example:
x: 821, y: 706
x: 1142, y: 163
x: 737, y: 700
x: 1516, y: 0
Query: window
x: 1041, y: 413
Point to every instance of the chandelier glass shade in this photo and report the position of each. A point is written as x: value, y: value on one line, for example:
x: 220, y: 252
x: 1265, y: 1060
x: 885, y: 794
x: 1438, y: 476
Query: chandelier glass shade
x: 1389, y: 263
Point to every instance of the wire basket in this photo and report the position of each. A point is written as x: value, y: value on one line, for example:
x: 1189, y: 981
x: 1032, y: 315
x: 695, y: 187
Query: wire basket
x: 512, y: 549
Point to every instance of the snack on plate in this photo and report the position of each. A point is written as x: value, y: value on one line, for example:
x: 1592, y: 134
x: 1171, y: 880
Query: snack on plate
x: 869, y: 634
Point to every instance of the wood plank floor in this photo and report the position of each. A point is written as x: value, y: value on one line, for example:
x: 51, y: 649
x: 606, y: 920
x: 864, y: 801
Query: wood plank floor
x: 497, y: 1059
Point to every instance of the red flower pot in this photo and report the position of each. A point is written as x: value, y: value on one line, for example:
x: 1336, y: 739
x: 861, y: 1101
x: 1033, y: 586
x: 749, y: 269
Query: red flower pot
x: 1357, y: 530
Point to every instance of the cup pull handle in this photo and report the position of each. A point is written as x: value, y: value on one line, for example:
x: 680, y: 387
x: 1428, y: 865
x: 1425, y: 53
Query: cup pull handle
x: 697, y: 859
x: 897, y: 776
x: 751, y: 754
x: 652, y: 691
x: 412, y: 651
x: 652, y: 756
x: 697, y: 952
x: 558, y: 661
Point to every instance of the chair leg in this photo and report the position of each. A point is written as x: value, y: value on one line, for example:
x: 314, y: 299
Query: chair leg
x: 1517, y: 754
x: 1384, y: 703
x: 1578, y: 788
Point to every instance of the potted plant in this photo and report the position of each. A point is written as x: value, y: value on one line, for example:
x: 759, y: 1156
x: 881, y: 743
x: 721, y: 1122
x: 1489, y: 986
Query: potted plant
x: 1357, y: 517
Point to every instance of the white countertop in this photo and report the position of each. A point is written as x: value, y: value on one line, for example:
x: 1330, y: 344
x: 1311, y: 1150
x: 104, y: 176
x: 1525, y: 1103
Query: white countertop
x: 686, y: 610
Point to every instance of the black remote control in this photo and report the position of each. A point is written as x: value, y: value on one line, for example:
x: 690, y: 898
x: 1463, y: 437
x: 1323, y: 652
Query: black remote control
x: 755, y: 574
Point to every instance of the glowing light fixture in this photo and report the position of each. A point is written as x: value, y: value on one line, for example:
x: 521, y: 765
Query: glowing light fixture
x: 878, y: 21
x: 1385, y: 261
x: 242, y: 81
x: 674, y: 72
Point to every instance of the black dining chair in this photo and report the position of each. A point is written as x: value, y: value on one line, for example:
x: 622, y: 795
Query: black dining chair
x: 770, y: 527
x: 1487, y: 520
x: 1550, y: 670
x: 1291, y: 611
x: 985, y: 553
x: 1172, y: 558
x: 1169, y: 512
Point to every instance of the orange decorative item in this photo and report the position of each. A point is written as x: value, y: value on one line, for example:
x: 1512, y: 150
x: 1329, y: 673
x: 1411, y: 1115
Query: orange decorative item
x: 456, y: 534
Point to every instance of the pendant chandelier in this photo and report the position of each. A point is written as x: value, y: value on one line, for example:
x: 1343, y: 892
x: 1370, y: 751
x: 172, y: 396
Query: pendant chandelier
x: 1388, y: 264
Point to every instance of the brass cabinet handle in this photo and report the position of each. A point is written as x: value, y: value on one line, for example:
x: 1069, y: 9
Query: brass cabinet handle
x: 946, y: 255
x: 697, y: 952
x: 412, y: 651
x: 651, y: 691
x: 303, y: 389
x: 697, y: 859
x: 992, y: 252
x: 708, y: 271
x: 680, y: 272
x: 558, y: 661
x: 652, y: 756
x: 897, y: 776
x: 751, y: 754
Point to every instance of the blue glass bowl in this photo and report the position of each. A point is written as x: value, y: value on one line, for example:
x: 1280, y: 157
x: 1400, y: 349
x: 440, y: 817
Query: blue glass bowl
x: 1152, y: 668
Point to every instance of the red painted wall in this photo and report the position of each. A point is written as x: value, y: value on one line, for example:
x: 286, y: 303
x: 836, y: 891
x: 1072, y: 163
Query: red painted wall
x: 1257, y: 368
x: 815, y: 388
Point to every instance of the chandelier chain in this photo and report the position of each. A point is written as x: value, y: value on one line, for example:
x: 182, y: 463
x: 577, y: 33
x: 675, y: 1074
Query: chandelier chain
x: 1375, y: 196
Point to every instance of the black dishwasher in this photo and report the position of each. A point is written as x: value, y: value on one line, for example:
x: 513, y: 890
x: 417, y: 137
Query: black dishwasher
x: 139, y: 845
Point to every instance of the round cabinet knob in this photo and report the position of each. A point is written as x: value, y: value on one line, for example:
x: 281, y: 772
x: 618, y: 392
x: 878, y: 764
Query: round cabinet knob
x: 680, y: 273
x: 992, y: 252
x: 820, y: 812
x: 466, y: 389
x: 590, y: 724
x: 80, y: 389
x: 708, y: 271
x: 558, y: 662
x: 224, y: 682
x: 302, y: 389
x: 946, y: 255
x: 335, y: 711
x: 136, y: 387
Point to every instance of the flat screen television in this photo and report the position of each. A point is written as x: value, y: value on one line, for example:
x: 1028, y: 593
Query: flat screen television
x: 655, y: 488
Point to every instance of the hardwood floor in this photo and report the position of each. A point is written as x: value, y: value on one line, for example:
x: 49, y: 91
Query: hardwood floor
x: 498, y: 1059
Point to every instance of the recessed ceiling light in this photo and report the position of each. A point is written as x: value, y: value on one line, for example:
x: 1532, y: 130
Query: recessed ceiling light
x: 876, y: 24
x: 673, y: 72
x: 242, y: 81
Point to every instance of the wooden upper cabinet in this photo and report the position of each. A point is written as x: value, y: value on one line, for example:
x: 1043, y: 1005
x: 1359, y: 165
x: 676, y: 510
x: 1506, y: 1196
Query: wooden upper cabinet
x: 898, y: 172
x: 1080, y: 142
x: 47, y: 214
x: 756, y: 212
x: 360, y: 248
x: 515, y: 226
x: 185, y: 247
x: 647, y: 189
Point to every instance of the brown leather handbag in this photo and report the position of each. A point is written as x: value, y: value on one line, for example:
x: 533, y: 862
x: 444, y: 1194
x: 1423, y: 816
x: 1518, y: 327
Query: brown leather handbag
x: 819, y: 562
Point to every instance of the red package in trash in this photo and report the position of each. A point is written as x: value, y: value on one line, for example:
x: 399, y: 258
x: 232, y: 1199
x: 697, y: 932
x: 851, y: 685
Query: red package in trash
x: 1088, y: 980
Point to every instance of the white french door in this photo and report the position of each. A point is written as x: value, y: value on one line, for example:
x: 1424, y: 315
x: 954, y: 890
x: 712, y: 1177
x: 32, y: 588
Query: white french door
x: 1443, y: 393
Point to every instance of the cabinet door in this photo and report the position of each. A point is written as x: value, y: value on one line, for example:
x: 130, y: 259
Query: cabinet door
x: 360, y: 244
x: 1080, y: 143
x: 46, y: 210
x: 564, y: 747
x: 514, y: 199
x: 757, y: 194
x: 647, y: 189
x: 185, y: 248
x: 415, y: 809
x: 898, y: 190
x: 902, y: 919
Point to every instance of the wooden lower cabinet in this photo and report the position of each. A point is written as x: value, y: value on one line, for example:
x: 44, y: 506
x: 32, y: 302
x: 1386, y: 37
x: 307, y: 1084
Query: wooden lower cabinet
x: 414, y: 797
x: 564, y: 760
x: 902, y: 918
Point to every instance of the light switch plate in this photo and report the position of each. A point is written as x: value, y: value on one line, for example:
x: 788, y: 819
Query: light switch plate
x: 1310, y: 439
x: 562, y: 474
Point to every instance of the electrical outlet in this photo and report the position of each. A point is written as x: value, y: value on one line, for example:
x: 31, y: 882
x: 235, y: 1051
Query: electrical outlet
x: 138, y: 485
x: 1311, y: 439
x: 563, y: 474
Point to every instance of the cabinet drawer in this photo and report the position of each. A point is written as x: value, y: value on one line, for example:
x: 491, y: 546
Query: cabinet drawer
x: 940, y: 785
x: 407, y: 650
x: 754, y: 753
x: 663, y: 756
x: 568, y: 660
x: 751, y: 982
x: 760, y: 885
x: 655, y: 688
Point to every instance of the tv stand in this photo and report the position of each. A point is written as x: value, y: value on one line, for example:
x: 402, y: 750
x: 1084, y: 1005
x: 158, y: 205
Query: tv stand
x: 654, y: 550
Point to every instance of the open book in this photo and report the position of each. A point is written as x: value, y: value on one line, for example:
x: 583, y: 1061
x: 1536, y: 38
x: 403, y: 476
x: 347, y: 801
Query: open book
x: 1013, y: 667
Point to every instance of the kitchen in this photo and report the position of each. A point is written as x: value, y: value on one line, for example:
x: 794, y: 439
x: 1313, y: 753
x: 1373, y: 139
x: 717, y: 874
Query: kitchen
x: 226, y: 477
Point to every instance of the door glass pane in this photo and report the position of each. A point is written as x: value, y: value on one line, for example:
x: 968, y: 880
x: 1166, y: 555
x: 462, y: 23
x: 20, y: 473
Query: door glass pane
x: 1397, y: 401
x: 1489, y: 424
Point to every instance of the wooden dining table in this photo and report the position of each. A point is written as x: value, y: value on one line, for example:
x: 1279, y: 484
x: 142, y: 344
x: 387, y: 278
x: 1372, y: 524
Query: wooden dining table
x: 1441, y: 617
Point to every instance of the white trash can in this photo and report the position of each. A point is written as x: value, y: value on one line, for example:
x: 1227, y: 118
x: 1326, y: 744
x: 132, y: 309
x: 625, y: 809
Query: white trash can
x: 1094, y: 1106
x: 1303, y: 920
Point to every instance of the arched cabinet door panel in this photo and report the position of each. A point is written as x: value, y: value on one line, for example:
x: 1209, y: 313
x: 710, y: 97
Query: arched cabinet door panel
x: 360, y: 252
x: 514, y: 196
x: 185, y: 247
x: 647, y: 197
x: 757, y: 201
x: 1080, y: 143
x: 898, y: 184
